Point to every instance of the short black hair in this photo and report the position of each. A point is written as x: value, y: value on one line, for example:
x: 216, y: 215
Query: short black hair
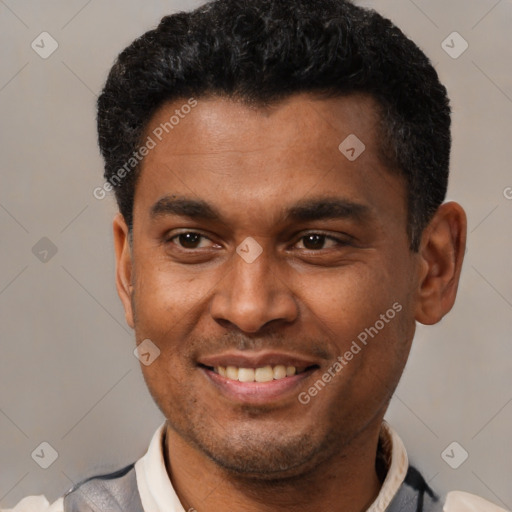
x: 263, y: 51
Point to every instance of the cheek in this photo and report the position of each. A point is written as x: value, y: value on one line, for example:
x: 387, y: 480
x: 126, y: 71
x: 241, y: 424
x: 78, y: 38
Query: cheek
x: 170, y: 388
x: 364, y: 312
x: 167, y: 297
x: 170, y: 304
x: 353, y: 297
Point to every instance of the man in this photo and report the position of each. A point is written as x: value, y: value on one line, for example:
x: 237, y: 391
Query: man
x: 280, y: 169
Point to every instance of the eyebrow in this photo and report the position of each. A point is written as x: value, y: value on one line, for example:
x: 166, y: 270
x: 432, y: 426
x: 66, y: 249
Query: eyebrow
x: 303, y: 211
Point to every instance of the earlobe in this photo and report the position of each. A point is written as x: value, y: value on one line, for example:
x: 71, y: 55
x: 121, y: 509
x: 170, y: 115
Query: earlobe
x: 123, y: 266
x: 441, y: 255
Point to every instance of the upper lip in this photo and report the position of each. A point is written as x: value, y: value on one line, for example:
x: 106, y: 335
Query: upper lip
x: 257, y: 359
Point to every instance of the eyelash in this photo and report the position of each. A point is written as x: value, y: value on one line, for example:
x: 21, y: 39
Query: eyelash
x: 339, y: 241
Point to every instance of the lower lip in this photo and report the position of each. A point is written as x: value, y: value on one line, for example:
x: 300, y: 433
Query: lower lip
x: 257, y: 393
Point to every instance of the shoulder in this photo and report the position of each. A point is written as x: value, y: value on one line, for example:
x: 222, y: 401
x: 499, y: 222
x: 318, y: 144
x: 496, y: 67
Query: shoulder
x: 116, y: 491
x: 415, y: 494
x: 36, y: 504
x: 459, y: 501
x: 103, y: 478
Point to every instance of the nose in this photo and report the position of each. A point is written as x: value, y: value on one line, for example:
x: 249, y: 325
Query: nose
x: 251, y: 295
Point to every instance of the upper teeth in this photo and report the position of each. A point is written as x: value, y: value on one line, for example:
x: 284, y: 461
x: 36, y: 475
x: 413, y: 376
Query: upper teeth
x: 264, y: 374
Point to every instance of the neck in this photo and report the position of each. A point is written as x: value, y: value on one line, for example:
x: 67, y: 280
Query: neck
x: 346, y: 481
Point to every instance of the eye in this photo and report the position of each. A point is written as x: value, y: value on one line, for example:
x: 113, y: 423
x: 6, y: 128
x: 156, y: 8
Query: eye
x: 316, y: 241
x: 189, y: 240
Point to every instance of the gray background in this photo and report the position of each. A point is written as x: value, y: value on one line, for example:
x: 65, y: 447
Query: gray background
x: 67, y: 372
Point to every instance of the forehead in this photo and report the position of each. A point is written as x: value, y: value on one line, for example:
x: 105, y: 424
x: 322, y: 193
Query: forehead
x: 237, y: 155
x: 223, y: 124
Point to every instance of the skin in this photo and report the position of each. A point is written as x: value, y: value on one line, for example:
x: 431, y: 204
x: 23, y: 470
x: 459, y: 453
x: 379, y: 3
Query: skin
x: 310, y: 297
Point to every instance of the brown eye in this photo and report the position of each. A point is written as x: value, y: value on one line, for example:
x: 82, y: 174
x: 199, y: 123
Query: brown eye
x: 316, y: 241
x: 189, y: 240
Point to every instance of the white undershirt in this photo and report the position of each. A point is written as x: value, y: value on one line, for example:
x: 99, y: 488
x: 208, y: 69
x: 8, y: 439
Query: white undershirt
x: 157, y: 493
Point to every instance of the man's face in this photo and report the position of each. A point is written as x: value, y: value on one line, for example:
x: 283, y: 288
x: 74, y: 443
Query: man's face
x: 325, y: 274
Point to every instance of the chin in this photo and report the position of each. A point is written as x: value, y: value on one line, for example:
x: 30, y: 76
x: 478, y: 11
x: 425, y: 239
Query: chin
x: 254, y: 455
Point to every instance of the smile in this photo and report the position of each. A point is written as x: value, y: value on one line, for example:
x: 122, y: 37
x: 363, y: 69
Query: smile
x: 257, y: 378
x: 262, y: 374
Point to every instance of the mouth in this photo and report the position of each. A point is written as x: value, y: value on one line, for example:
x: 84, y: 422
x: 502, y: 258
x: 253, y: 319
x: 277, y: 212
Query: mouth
x: 258, y: 379
x: 261, y: 374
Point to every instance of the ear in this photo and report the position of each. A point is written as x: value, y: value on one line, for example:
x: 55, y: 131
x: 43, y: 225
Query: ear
x: 441, y: 253
x: 123, y: 266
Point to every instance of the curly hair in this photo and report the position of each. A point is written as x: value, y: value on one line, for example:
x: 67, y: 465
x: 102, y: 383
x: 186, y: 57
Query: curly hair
x: 263, y: 51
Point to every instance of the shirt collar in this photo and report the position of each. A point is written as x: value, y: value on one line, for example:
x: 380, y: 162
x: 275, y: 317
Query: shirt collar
x: 158, y: 495
x: 155, y: 488
x: 395, y: 458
